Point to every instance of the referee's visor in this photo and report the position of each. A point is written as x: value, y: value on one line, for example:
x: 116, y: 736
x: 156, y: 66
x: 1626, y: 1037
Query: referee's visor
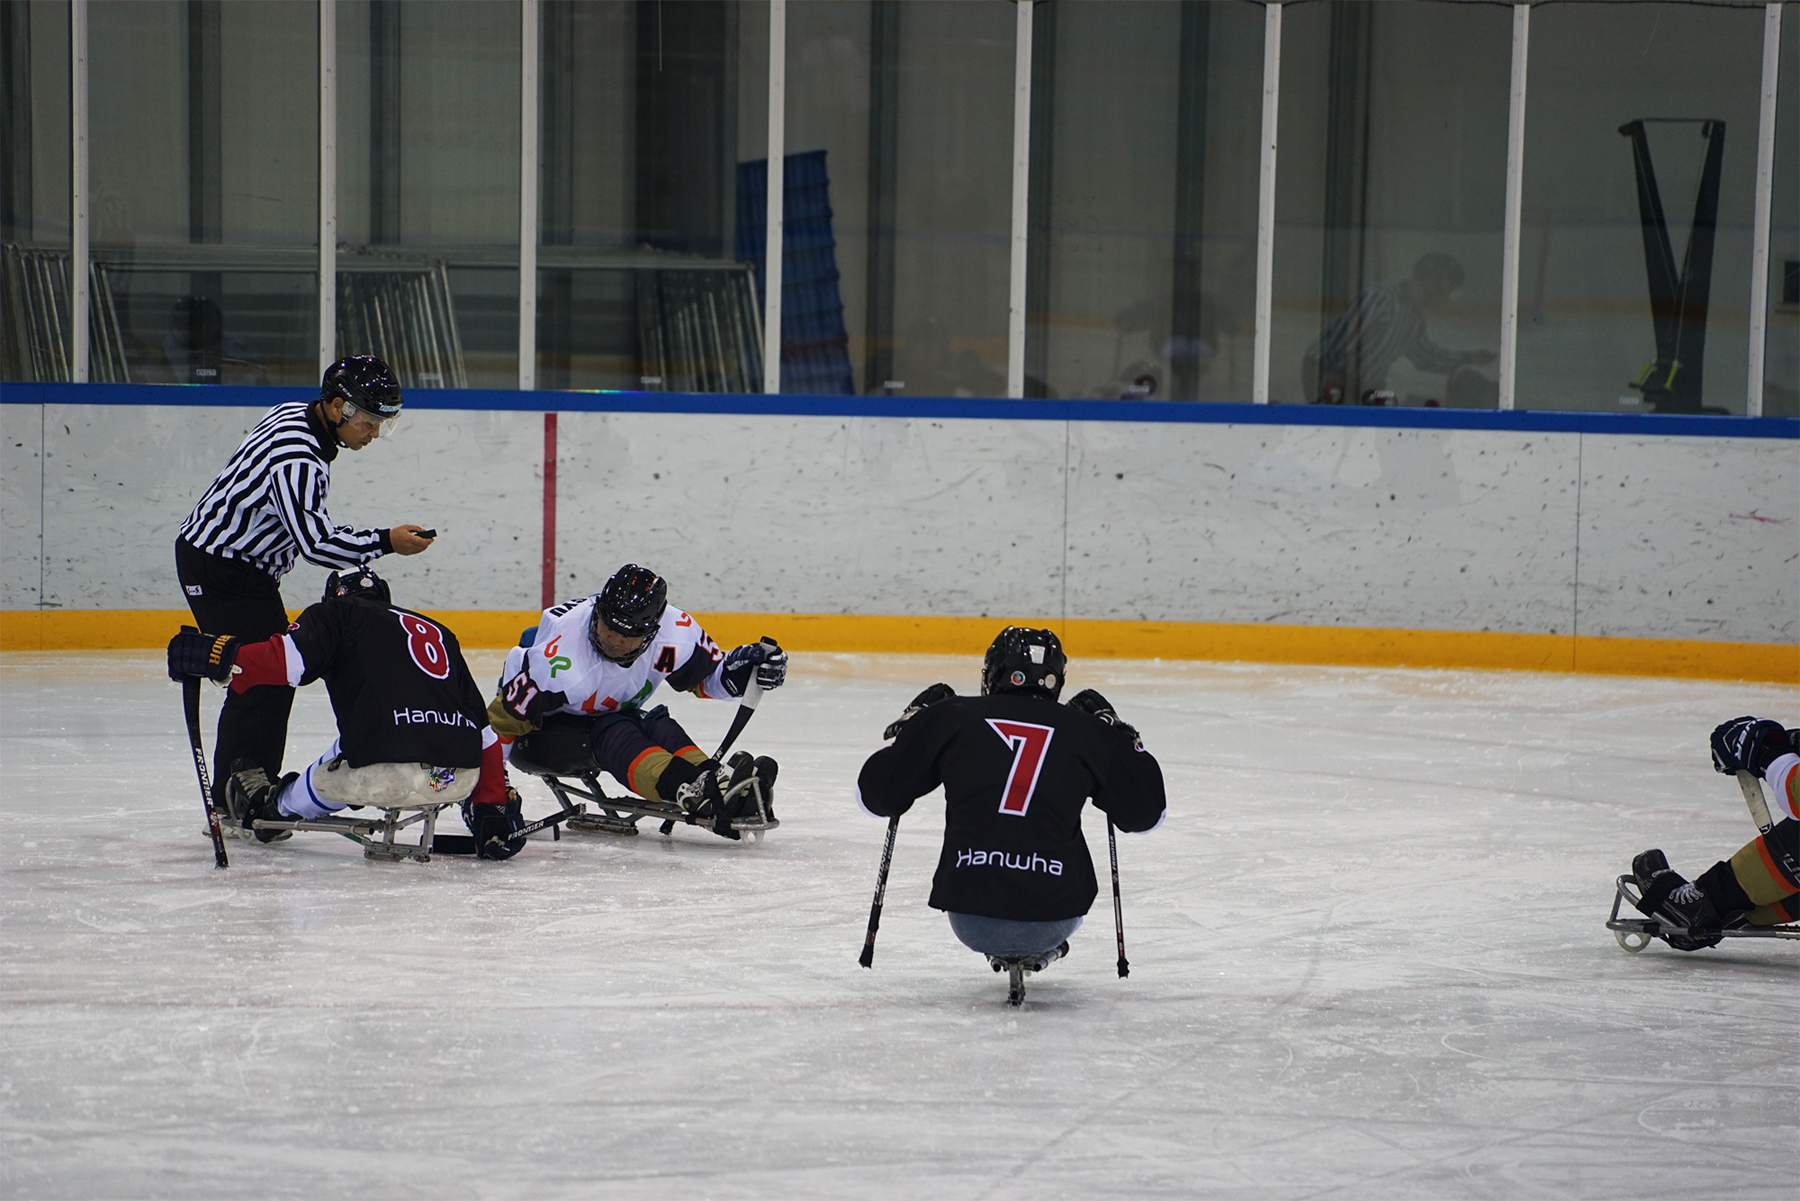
x: 384, y: 424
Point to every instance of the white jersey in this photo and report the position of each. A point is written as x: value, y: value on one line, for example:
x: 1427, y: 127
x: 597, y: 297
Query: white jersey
x: 561, y: 672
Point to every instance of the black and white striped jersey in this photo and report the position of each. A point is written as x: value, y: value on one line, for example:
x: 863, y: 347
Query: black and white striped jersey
x: 1380, y: 326
x: 268, y: 506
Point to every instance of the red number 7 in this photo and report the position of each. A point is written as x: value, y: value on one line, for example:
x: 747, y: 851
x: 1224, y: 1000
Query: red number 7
x: 1029, y: 744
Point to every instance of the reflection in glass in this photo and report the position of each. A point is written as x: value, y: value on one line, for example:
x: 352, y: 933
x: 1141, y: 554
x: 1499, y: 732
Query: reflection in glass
x: 1597, y: 287
x: 1389, y: 204
x: 428, y: 189
x: 1781, y: 347
x: 1144, y: 168
x: 648, y: 113
x: 34, y: 192
x: 203, y: 172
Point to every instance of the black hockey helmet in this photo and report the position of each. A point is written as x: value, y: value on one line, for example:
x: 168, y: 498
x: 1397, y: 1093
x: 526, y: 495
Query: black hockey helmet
x: 1024, y: 660
x: 631, y: 606
x: 362, y: 584
x: 365, y: 385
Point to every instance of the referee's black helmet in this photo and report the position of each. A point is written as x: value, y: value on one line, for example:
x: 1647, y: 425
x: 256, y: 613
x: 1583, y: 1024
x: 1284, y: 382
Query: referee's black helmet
x: 364, y: 381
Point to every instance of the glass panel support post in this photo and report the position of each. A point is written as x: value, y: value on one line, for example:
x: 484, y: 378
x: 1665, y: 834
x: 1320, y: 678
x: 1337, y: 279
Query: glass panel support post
x: 78, y: 191
x: 1515, y: 177
x: 1265, y: 205
x: 1021, y: 195
x: 1765, y: 184
x: 776, y: 195
x: 528, y: 193
x: 327, y: 184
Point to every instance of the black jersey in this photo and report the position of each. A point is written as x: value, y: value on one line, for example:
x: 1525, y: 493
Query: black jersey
x: 398, y: 684
x: 1016, y: 770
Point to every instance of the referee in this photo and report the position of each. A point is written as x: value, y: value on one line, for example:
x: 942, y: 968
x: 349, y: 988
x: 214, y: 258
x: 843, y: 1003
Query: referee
x: 266, y: 508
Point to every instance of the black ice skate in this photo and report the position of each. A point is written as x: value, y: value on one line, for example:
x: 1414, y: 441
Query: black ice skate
x: 1675, y: 911
x: 252, y: 798
x: 1017, y: 965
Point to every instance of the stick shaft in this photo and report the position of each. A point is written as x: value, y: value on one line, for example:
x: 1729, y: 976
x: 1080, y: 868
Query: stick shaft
x: 746, y: 707
x: 1753, y: 800
x: 867, y: 959
x: 1112, y: 849
x: 190, y: 702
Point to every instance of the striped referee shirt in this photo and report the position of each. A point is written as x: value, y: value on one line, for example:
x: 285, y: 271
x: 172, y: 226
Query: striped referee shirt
x: 1377, y: 328
x: 268, y: 506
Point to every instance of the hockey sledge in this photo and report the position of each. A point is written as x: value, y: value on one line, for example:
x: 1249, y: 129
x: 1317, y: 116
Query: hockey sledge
x: 1636, y: 933
x: 1017, y: 967
x: 559, y: 756
x: 376, y: 834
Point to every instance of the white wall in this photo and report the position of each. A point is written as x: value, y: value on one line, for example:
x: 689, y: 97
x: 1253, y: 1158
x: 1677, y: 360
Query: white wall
x: 1619, y: 535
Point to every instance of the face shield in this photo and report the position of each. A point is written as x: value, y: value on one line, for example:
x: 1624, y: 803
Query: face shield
x: 383, y: 426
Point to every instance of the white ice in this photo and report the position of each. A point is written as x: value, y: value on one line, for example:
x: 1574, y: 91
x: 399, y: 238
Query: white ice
x: 1367, y: 957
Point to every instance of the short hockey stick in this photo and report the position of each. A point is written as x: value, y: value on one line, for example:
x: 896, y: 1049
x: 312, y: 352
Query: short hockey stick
x: 1753, y: 799
x: 867, y: 958
x: 190, y: 697
x: 1112, y: 848
x: 746, y: 707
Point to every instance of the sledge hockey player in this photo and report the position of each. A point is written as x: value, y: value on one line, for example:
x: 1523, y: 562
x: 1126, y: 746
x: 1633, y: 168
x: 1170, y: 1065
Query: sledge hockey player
x: 1014, y: 875
x: 575, y: 690
x: 410, y: 718
x: 1760, y: 884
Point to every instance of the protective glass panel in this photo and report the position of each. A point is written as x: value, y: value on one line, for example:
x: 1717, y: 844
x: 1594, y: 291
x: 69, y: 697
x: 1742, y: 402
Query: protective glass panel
x: 428, y: 189
x: 34, y: 191
x: 1144, y: 162
x: 898, y: 213
x: 1640, y: 169
x: 203, y: 169
x: 1781, y: 347
x: 1389, y: 204
x: 650, y: 117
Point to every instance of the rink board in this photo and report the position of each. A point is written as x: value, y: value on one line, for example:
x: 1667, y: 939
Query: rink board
x: 1423, y: 538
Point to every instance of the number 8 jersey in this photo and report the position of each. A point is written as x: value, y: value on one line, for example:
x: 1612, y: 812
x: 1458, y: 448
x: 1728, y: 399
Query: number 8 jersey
x: 398, y: 683
x: 1016, y: 770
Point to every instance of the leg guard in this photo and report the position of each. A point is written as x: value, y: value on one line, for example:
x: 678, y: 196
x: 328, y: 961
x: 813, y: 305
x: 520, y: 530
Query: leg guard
x: 1765, y: 869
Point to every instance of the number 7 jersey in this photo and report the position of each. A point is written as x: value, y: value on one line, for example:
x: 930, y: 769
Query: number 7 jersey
x: 1016, y: 770
x: 560, y: 672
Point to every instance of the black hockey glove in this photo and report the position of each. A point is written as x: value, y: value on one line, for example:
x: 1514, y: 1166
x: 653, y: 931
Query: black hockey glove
x: 192, y: 653
x: 487, y: 822
x: 1089, y: 701
x: 926, y: 699
x: 1748, y: 744
x: 764, y: 659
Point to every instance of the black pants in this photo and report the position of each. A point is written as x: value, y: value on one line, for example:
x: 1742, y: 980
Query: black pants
x: 232, y: 597
x: 637, y: 747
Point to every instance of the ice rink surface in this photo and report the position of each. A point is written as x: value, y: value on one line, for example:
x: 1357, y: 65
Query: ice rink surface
x: 1367, y: 954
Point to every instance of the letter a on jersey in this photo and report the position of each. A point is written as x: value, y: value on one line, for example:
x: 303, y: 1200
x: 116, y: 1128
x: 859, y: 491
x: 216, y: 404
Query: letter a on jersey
x: 1029, y: 744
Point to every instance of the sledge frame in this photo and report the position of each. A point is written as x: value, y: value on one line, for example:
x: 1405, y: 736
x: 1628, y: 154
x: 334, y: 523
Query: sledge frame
x: 374, y: 834
x: 620, y: 815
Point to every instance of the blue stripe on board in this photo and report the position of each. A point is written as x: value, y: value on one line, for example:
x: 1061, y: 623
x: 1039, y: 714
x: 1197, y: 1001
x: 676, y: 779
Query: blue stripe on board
x: 930, y: 408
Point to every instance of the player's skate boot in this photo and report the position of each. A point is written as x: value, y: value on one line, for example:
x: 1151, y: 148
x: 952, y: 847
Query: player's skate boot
x: 251, y: 796
x: 1670, y: 898
x: 710, y: 796
x: 764, y: 769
